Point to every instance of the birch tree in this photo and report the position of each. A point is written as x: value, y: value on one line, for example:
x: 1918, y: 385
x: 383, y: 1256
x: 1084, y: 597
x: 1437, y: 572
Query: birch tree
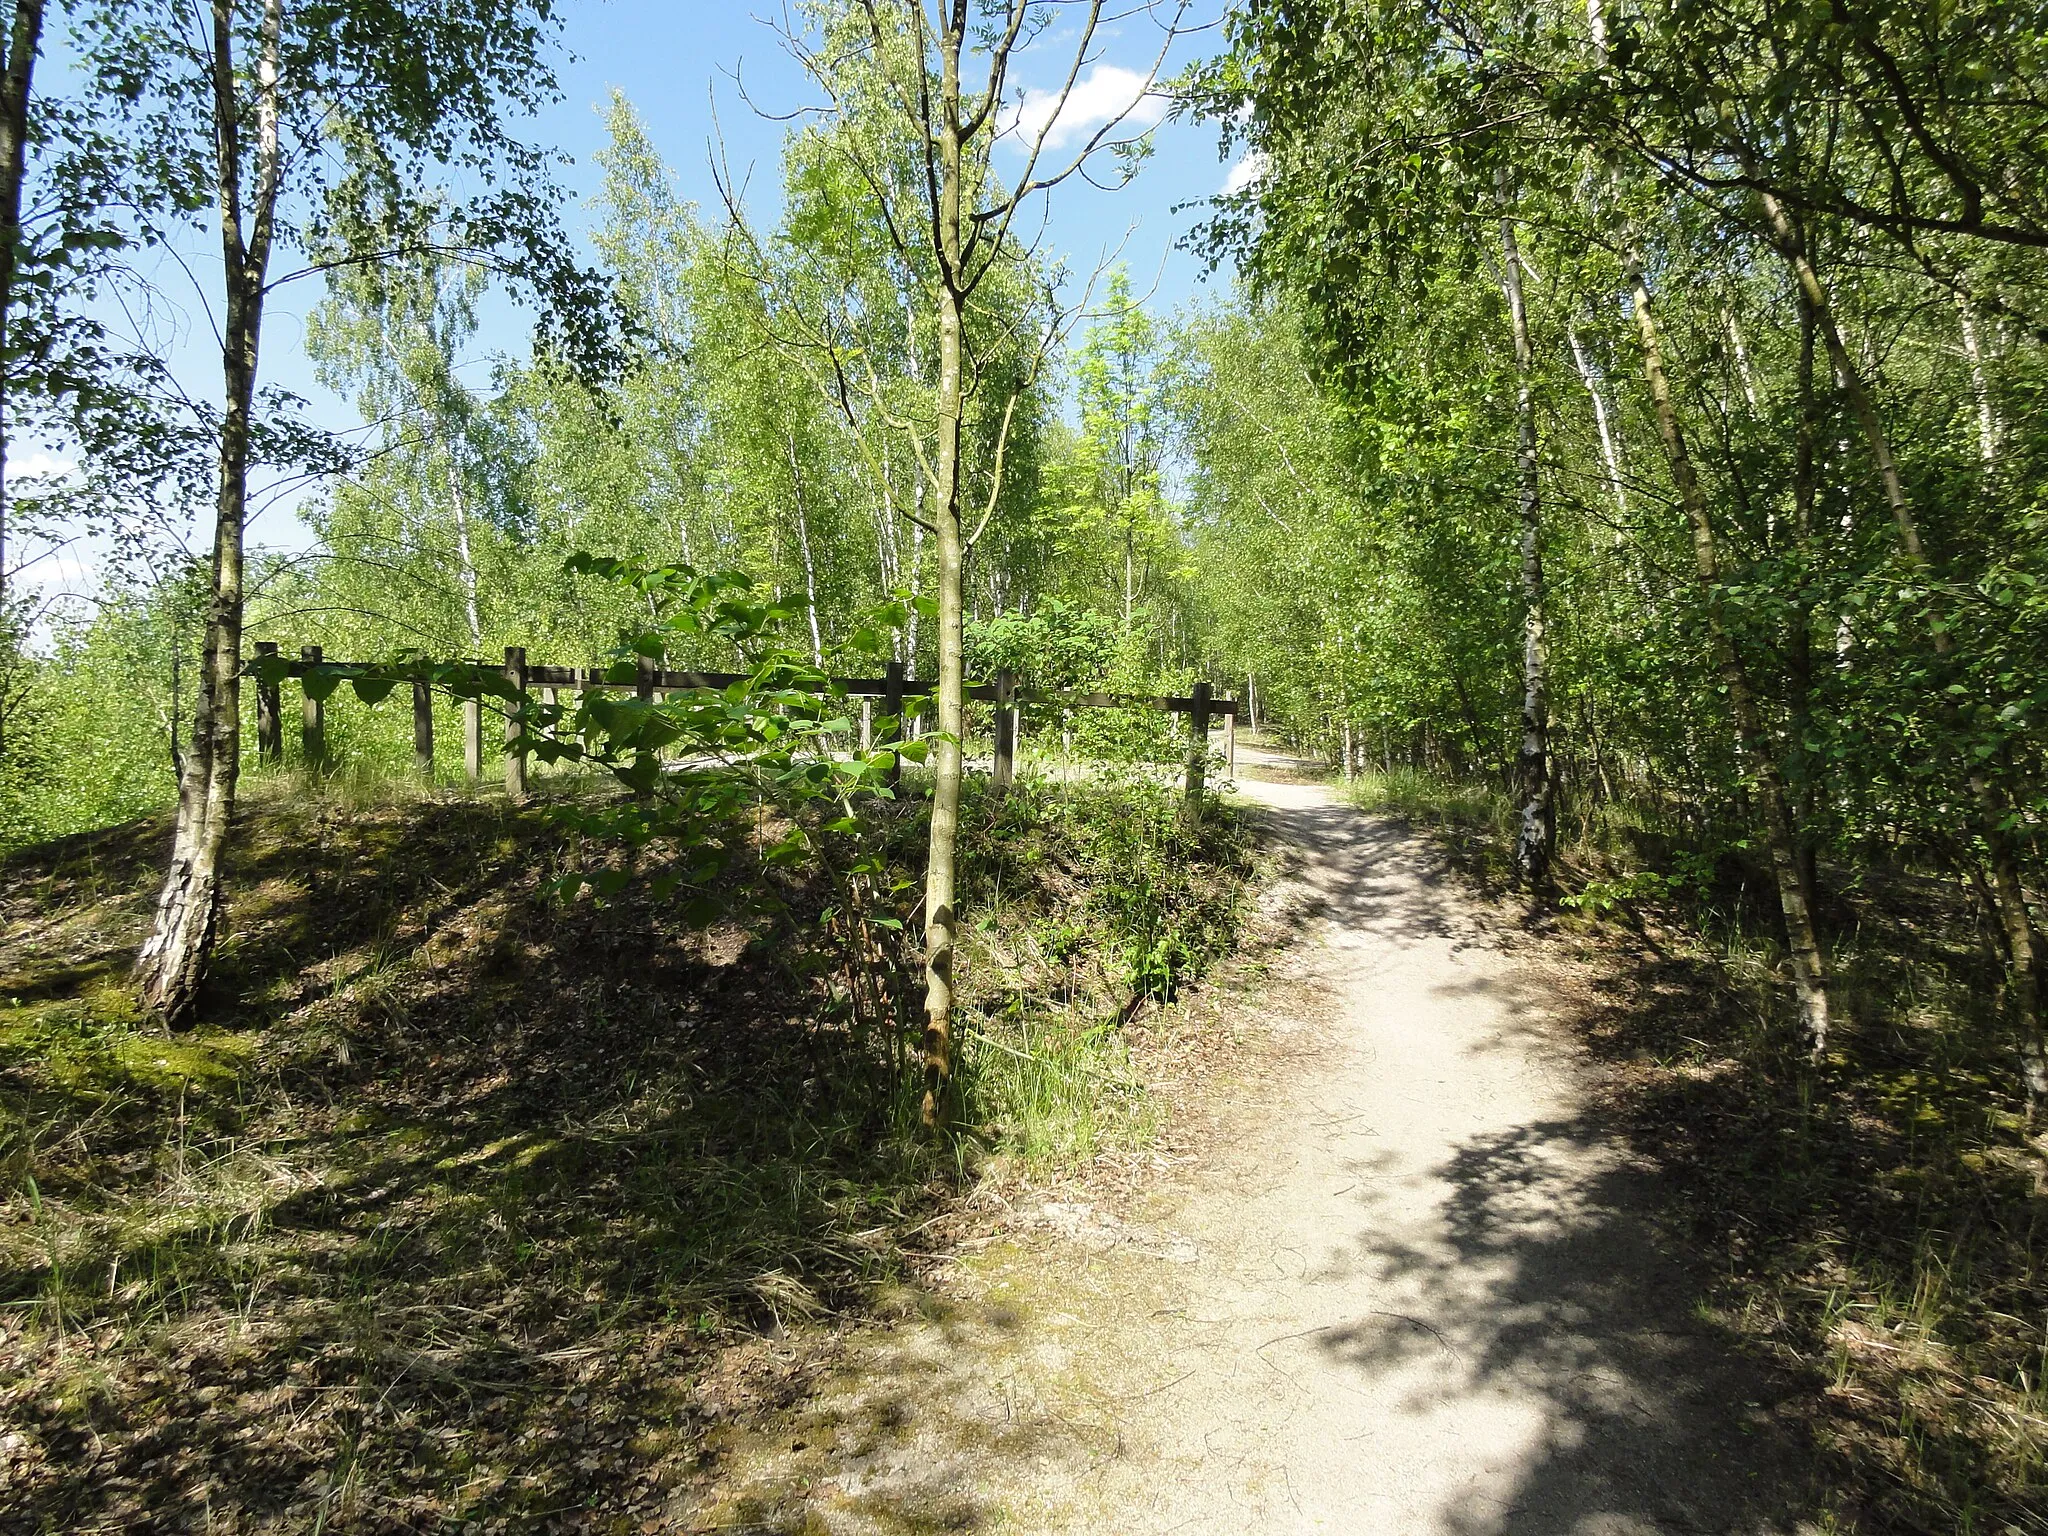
x: 315, y: 131
x: 940, y: 83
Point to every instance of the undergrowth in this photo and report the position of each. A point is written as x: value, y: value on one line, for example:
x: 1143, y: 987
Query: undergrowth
x: 469, y: 1205
x: 1879, y: 1221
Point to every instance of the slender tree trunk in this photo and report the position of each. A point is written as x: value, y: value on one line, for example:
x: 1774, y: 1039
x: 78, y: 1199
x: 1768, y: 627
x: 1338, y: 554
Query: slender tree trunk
x: 24, y: 39
x: 803, y: 540
x: 916, y: 572
x: 1799, y: 623
x: 174, y: 960
x: 1993, y: 808
x: 1610, y: 453
x: 1537, y: 836
x: 1989, y: 433
x: 465, y: 557
x: 1744, y: 374
x: 1808, y: 969
x: 941, y: 920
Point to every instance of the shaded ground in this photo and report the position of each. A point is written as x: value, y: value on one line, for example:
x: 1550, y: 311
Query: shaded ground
x: 1876, y: 1221
x: 1403, y: 1281
x: 466, y: 1210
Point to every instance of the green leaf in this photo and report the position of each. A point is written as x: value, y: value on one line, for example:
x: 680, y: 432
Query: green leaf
x: 320, y: 685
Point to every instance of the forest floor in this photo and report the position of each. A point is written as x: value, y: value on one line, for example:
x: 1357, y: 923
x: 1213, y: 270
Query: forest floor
x: 470, y: 1209
x: 471, y: 1212
x: 1390, y: 1271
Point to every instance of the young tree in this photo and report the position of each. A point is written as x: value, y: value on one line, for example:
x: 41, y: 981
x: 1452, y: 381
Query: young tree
x: 1122, y: 442
x: 445, y: 474
x: 315, y: 127
x: 926, y: 86
x: 1537, y: 822
x: 22, y: 41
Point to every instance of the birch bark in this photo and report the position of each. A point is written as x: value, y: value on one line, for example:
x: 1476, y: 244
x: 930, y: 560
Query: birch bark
x: 24, y: 38
x: 1537, y: 829
x: 1993, y: 809
x: 173, y: 962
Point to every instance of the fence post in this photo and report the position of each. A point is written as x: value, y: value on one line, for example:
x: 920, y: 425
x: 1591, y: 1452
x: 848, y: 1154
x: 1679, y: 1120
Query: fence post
x: 1198, y: 755
x: 515, y: 760
x: 269, y: 728
x: 644, y: 679
x: 1004, y: 770
x: 423, y: 731
x: 892, y: 705
x: 312, y: 717
x: 473, y: 740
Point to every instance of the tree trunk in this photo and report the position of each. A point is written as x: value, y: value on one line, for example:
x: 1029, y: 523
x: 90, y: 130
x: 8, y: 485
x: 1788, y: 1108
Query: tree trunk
x: 1799, y: 624
x: 803, y: 542
x: 1993, y: 809
x: 17, y: 73
x: 174, y: 960
x: 1610, y: 452
x: 940, y: 918
x: 1808, y: 969
x: 465, y: 557
x: 1989, y: 430
x: 1538, y: 831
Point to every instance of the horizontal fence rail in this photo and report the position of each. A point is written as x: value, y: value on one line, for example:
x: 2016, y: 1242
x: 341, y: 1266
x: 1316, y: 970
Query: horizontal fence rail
x: 647, y: 679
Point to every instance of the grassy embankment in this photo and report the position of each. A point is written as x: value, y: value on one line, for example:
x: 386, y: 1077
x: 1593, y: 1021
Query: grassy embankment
x: 1881, y: 1220
x: 467, y: 1207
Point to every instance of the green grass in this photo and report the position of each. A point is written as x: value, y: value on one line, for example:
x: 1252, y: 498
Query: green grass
x: 1419, y: 796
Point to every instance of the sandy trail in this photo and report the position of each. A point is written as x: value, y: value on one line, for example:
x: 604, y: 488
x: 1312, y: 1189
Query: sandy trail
x: 1404, y: 1288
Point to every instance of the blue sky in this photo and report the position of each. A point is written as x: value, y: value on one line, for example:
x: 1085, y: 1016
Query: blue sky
x: 701, y: 73
x: 674, y: 61
x: 697, y: 72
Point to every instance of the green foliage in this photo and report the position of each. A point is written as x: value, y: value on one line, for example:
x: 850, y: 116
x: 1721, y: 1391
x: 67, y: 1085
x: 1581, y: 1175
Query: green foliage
x: 1091, y: 901
x: 89, y: 743
x: 701, y: 762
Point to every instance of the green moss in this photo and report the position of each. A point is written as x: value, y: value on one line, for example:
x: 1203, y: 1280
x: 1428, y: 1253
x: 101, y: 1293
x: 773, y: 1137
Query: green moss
x: 94, y: 1041
x: 213, y: 1057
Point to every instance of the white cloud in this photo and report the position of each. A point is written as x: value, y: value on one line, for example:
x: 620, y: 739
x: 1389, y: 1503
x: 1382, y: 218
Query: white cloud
x: 1102, y: 94
x: 1249, y: 170
x: 61, y: 571
x: 38, y: 462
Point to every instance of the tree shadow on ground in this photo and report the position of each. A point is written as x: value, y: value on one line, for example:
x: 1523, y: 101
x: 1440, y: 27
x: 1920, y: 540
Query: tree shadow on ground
x: 467, y: 1208
x: 454, y: 1212
x: 1547, y: 1287
x: 1878, y: 1222
x: 1551, y: 1278
x: 1871, y: 1229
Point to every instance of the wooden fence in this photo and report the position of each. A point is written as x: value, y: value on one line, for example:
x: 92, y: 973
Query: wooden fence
x: 650, y: 680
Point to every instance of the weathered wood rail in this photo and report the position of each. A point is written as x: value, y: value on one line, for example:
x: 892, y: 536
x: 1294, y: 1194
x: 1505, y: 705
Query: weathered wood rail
x: 647, y: 680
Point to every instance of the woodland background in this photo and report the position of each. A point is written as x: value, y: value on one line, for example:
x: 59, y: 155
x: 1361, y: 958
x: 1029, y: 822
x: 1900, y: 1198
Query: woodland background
x: 1614, y: 436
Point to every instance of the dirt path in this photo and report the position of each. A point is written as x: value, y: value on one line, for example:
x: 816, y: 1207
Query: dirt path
x: 1405, y: 1288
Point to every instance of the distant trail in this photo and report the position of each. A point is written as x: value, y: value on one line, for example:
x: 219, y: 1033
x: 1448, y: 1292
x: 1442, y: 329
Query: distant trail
x: 1405, y: 1286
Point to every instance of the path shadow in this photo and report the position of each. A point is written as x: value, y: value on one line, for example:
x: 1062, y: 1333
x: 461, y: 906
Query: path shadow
x: 1552, y: 1278
x: 1370, y: 873
x: 1550, y: 1284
